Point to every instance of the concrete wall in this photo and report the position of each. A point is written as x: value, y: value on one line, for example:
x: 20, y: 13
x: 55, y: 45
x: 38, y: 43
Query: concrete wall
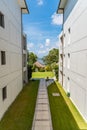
x: 10, y: 42
x: 25, y: 70
x: 68, y: 8
x: 76, y: 45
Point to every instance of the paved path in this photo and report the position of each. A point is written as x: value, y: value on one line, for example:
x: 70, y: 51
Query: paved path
x: 42, y: 117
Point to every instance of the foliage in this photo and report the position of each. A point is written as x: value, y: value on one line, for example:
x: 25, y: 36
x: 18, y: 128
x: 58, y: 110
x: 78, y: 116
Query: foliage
x: 32, y: 58
x: 33, y: 68
x: 55, y: 68
x: 41, y: 69
x: 29, y: 71
x: 52, y: 57
x: 20, y: 114
x: 48, y: 68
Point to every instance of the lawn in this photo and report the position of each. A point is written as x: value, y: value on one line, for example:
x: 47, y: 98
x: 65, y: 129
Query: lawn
x: 62, y: 117
x: 42, y: 74
x: 20, y: 114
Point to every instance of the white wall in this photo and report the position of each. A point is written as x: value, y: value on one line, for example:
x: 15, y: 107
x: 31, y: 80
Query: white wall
x: 77, y: 22
x: 10, y: 42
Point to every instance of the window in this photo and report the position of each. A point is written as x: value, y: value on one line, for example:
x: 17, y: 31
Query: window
x: 4, y: 93
x: 64, y: 35
x: 3, y: 58
x: 68, y: 84
x: 1, y: 20
x: 69, y: 36
x: 69, y: 30
x: 68, y: 63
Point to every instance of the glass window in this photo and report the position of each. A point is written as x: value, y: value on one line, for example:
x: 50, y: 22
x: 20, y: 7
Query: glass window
x: 4, y: 93
x: 3, y: 58
x: 1, y: 20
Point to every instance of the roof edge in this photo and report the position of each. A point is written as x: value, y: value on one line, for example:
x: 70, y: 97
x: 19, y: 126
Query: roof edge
x: 58, y: 6
x: 61, y: 6
x: 26, y: 6
x: 23, y: 6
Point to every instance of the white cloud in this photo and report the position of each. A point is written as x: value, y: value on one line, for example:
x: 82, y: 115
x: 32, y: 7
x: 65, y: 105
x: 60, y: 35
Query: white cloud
x: 47, y: 43
x: 41, y: 46
x: 40, y: 2
x: 30, y: 45
x: 41, y: 51
x: 57, y: 19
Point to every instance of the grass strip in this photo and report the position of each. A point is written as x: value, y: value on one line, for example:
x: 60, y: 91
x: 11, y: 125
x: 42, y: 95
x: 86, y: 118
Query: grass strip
x: 62, y: 118
x: 20, y: 114
x: 78, y: 118
x: 42, y: 74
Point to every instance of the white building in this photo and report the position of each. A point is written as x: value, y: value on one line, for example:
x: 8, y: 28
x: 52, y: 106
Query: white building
x: 73, y: 52
x: 25, y: 71
x: 11, y: 69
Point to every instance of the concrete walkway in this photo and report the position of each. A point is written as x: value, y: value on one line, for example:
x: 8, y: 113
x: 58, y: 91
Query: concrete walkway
x: 42, y: 117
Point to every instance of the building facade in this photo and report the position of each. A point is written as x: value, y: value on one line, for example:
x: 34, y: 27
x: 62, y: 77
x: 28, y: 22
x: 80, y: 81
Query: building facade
x: 11, y: 77
x: 25, y: 71
x: 73, y: 52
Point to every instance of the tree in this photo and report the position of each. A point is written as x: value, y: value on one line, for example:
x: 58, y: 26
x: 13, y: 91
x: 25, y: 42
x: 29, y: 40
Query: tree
x: 52, y: 57
x: 32, y: 58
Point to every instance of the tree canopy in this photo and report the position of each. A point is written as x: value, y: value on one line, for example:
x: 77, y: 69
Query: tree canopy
x: 53, y: 56
x: 32, y: 58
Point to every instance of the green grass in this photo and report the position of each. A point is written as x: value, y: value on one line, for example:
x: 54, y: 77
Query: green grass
x: 78, y: 118
x: 62, y: 117
x: 20, y: 114
x: 42, y: 74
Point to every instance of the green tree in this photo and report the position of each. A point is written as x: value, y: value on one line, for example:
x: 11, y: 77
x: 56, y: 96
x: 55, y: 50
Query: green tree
x: 48, y: 68
x: 32, y: 58
x: 53, y: 56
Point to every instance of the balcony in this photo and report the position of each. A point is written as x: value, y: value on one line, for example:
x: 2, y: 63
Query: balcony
x: 23, y: 6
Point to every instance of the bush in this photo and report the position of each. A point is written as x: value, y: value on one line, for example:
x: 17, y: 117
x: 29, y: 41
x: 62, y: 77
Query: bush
x: 41, y: 69
x: 68, y: 94
x: 48, y: 68
x: 29, y: 71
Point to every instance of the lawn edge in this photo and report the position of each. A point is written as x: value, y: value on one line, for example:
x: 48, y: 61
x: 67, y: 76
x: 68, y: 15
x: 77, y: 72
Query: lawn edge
x: 77, y: 116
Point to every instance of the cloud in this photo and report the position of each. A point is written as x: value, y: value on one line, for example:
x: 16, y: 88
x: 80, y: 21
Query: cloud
x: 47, y: 43
x: 41, y: 46
x: 57, y: 19
x: 30, y: 45
x: 40, y: 2
x: 42, y: 51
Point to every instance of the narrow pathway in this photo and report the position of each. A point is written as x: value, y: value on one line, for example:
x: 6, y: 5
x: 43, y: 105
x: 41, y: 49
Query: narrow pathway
x: 42, y: 117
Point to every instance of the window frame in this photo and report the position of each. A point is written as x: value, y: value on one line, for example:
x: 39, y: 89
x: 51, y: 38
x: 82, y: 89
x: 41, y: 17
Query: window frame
x: 4, y: 93
x: 2, y: 23
x: 3, y: 57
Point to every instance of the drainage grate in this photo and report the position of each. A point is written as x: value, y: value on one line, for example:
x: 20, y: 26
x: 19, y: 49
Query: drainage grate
x: 55, y: 94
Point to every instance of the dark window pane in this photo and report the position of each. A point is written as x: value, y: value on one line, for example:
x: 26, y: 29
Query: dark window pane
x: 4, y: 93
x: 1, y: 20
x: 3, y: 58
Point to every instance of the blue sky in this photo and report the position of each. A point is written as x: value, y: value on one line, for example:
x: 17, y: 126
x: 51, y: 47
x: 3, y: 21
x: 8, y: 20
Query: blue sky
x: 42, y: 26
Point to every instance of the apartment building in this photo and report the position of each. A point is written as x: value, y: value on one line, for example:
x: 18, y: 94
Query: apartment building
x: 73, y: 52
x: 11, y: 68
x: 25, y: 71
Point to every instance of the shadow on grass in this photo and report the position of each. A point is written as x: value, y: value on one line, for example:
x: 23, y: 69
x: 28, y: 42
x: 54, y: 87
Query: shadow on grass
x: 62, y: 117
x: 20, y: 114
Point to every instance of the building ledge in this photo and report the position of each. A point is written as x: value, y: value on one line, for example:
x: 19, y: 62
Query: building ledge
x: 24, y: 69
x: 61, y: 6
x: 24, y: 51
x: 23, y: 6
